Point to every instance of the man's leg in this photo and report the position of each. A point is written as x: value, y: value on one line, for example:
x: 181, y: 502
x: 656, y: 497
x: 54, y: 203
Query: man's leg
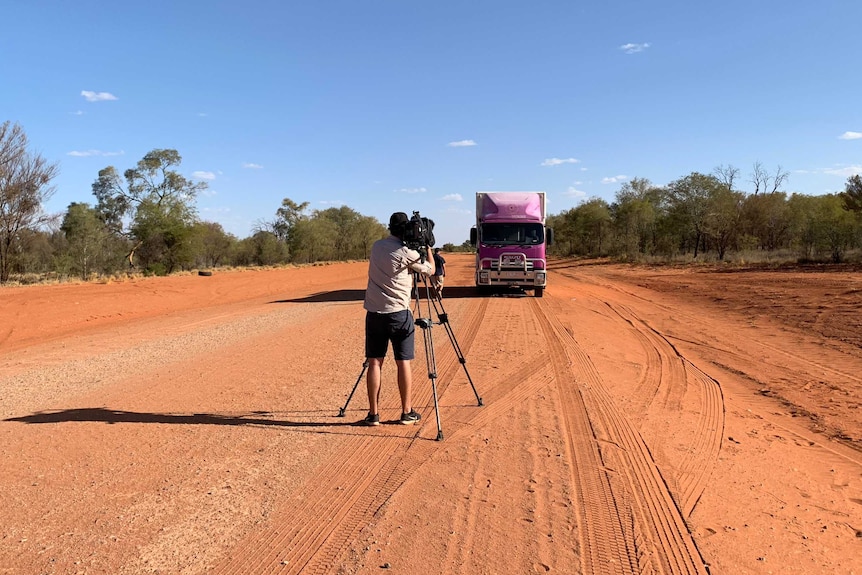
x: 405, y: 384
x: 372, y: 382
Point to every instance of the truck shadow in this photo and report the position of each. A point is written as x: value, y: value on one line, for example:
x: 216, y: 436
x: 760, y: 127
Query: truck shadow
x: 454, y: 292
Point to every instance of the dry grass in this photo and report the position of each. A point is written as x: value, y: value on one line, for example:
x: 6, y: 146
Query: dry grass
x: 53, y: 278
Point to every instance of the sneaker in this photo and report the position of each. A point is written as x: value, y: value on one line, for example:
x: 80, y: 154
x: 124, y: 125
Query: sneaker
x: 410, y: 418
x: 371, y: 419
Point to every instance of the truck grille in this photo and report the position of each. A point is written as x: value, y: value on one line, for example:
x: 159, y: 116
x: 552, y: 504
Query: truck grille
x: 497, y: 265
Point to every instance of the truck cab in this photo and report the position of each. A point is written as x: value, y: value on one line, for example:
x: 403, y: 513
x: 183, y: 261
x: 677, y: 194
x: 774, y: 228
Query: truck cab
x: 510, y: 239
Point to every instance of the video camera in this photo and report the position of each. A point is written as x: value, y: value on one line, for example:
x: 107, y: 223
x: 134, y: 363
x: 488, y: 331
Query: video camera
x: 419, y: 233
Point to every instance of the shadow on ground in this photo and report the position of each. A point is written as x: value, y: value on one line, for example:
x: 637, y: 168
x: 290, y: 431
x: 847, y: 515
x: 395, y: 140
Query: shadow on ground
x: 454, y: 292
x: 100, y: 414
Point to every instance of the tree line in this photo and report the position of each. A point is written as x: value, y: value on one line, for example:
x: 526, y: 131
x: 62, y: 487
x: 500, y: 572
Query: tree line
x: 706, y: 215
x: 145, y: 221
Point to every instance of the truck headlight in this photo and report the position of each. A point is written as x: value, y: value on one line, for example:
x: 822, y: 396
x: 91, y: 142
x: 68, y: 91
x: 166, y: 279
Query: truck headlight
x: 540, y: 278
x: 484, y: 277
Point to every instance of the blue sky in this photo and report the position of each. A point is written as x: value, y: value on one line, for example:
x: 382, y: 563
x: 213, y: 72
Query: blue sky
x: 386, y: 105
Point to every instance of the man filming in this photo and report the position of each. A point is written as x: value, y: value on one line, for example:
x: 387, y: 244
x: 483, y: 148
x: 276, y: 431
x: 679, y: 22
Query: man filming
x: 388, y: 317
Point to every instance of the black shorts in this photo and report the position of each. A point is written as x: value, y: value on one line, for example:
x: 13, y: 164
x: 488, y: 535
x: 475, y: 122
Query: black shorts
x: 381, y: 328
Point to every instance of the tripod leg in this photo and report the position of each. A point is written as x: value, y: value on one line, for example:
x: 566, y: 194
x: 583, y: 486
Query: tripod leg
x: 352, y: 391
x: 444, y: 321
x: 431, y: 361
x: 436, y: 409
x: 425, y: 323
x: 462, y: 360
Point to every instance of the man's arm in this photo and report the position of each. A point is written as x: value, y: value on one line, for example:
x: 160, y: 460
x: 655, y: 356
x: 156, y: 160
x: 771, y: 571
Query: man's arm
x: 423, y: 267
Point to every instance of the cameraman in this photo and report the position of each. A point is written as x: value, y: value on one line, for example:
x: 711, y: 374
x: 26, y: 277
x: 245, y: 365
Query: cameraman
x: 388, y: 317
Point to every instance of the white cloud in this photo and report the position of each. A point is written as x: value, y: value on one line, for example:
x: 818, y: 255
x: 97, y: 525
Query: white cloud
x: 634, y: 48
x: 614, y: 179
x: 837, y: 170
x: 575, y: 193
x: 252, y: 166
x: 850, y: 136
x: 91, y: 153
x: 844, y: 171
x: 559, y: 161
x: 412, y: 190
x: 97, y: 96
x: 462, y: 144
x: 452, y: 198
x: 200, y: 175
x: 219, y: 210
x: 77, y: 113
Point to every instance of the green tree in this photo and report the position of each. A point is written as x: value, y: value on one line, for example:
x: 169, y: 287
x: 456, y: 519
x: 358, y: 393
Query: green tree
x: 838, y: 226
x: 354, y: 233
x: 722, y: 222
x: 25, y: 179
x: 367, y: 231
x: 565, y: 236
x: 852, y: 194
x: 593, y: 220
x: 345, y: 221
x: 690, y: 202
x: 286, y: 218
x: 155, y: 207
x: 212, y: 245
x: 164, y: 232
x: 767, y: 218
x: 634, y: 213
x: 314, y: 240
x: 822, y: 228
x: 582, y: 230
x: 87, y: 239
x: 35, y: 252
x: 265, y: 249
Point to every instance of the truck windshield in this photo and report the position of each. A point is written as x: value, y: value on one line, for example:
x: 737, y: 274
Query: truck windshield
x: 512, y: 234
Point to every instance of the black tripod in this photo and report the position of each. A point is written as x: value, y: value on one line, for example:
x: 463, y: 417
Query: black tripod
x: 426, y: 323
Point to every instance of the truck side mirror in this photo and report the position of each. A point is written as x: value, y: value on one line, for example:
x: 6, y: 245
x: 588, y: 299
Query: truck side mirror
x: 549, y: 236
x: 474, y: 237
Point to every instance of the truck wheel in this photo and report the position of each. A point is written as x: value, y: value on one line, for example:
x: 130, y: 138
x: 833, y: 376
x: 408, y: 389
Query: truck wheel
x: 539, y: 291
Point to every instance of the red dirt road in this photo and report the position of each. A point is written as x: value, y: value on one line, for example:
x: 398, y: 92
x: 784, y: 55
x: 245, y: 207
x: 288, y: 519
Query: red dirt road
x: 634, y: 420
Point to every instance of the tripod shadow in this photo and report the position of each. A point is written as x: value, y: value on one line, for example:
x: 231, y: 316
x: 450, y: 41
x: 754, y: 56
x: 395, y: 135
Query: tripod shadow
x: 348, y: 295
x: 112, y: 416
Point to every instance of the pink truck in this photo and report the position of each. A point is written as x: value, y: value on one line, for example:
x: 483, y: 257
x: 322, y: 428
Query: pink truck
x: 510, y: 238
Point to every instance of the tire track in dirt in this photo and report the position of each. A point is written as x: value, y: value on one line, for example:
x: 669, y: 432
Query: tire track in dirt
x: 606, y: 541
x: 448, y: 364
x: 629, y: 519
x: 680, y: 377
x: 465, y: 522
x: 313, y: 530
x: 692, y: 319
x: 703, y: 455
